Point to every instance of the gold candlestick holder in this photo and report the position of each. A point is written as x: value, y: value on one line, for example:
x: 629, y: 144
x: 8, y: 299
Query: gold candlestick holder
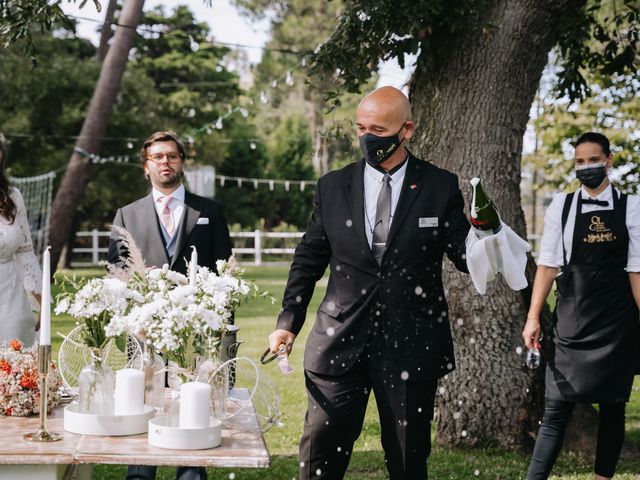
x: 44, y: 363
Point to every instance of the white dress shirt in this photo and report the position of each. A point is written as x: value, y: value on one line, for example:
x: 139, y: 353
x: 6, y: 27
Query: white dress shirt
x: 176, y: 206
x: 372, y: 186
x: 550, y: 244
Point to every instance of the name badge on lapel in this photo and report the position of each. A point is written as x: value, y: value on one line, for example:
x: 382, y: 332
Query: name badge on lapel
x: 202, y: 221
x: 426, y: 222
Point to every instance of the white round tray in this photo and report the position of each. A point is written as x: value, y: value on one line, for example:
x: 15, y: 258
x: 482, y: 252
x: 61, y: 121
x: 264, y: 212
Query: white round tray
x: 107, y: 425
x: 163, y: 436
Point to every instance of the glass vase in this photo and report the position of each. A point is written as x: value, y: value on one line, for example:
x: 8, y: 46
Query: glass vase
x: 154, y: 373
x: 212, y: 371
x: 176, y: 376
x: 96, y: 387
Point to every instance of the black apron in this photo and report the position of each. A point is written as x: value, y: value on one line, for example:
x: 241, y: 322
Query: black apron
x: 596, y: 345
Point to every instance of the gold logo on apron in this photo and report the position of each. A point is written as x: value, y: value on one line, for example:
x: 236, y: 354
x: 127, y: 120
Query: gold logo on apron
x: 601, y: 233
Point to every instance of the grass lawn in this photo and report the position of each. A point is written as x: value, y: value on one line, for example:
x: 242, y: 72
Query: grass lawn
x: 256, y: 320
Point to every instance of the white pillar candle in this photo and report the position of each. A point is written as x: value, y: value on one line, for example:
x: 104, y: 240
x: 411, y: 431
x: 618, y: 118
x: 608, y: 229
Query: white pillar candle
x: 45, y: 307
x: 195, y: 405
x: 193, y: 265
x: 129, y: 392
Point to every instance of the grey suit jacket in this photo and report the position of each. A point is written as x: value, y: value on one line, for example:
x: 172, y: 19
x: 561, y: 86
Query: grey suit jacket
x: 210, y: 236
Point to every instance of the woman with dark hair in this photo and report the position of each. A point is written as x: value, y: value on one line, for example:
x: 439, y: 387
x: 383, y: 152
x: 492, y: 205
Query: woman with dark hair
x: 591, y: 248
x: 19, y: 269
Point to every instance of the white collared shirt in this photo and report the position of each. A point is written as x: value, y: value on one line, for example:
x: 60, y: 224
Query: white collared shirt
x: 176, y: 206
x: 550, y: 244
x: 372, y: 186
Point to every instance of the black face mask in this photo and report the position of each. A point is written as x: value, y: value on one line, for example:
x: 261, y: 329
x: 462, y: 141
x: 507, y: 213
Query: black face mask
x: 592, y: 177
x: 377, y: 150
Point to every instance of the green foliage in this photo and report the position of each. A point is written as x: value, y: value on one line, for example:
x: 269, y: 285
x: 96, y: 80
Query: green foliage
x: 289, y: 152
x: 176, y: 80
x: 241, y: 204
x: 371, y: 31
x: 301, y: 25
x: 186, y: 69
x: 46, y: 104
x: 612, y: 109
x: 20, y: 18
x: 602, y: 37
x: 44, y: 108
x: 285, y: 156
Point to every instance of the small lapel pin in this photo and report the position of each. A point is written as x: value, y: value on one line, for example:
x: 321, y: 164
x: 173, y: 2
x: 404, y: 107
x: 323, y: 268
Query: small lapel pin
x: 413, y: 186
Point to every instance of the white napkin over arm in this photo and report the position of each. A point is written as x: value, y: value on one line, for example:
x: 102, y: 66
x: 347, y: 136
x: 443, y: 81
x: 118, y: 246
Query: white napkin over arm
x: 503, y: 252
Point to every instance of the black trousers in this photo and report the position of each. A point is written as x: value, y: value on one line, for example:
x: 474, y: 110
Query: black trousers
x: 336, y: 409
x: 148, y: 472
x: 551, y: 435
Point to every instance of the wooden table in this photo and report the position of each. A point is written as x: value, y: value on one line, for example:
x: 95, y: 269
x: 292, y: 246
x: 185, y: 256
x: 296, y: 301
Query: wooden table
x: 242, y: 446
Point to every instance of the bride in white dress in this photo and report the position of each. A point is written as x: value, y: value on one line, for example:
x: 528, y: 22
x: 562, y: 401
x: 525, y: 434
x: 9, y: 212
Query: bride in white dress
x: 20, y: 274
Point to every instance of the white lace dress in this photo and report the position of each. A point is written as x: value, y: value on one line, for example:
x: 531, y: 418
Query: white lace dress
x: 19, y: 275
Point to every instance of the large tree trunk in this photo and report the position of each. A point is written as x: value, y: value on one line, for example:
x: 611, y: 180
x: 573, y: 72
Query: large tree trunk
x: 77, y: 176
x: 471, y: 106
x: 105, y: 31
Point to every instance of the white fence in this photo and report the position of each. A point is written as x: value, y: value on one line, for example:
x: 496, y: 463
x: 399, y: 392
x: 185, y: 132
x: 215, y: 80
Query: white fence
x: 257, y: 250
x: 251, y: 248
x: 256, y: 245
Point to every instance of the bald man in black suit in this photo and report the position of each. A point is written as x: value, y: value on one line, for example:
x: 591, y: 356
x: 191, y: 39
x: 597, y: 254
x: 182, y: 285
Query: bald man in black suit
x: 382, y: 225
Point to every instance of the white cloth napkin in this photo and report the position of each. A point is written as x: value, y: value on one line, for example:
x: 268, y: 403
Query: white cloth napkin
x: 503, y: 252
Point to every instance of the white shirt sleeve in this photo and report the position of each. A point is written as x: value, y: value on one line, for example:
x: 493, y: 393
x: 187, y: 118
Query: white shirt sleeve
x: 31, y: 273
x: 633, y: 226
x: 551, y: 241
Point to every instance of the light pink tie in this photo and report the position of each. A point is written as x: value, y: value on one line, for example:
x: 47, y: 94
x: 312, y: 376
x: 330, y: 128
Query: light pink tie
x: 166, y: 217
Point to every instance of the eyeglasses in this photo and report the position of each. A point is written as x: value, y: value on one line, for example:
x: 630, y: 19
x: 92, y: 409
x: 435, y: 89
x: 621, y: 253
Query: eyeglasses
x: 172, y: 157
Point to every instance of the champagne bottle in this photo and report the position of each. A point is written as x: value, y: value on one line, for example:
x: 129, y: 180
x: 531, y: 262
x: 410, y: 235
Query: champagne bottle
x: 484, y: 214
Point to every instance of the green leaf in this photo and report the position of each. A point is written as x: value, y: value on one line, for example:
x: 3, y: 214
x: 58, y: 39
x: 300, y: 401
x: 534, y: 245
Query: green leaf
x: 121, y: 342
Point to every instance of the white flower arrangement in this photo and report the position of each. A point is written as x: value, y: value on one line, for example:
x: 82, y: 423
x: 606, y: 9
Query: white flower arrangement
x: 94, y: 303
x: 19, y: 389
x: 182, y: 320
x: 179, y: 319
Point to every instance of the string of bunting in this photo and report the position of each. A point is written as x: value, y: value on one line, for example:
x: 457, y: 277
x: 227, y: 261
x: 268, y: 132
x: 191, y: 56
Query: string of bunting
x: 271, y: 182
x: 223, y: 180
x: 97, y: 159
x: 287, y: 79
x: 263, y: 97
x: 155, y: 31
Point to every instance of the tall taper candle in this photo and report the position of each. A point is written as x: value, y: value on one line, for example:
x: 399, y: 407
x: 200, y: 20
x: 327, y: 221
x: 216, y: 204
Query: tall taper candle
x: 45, y: 307
x: 193, y: 265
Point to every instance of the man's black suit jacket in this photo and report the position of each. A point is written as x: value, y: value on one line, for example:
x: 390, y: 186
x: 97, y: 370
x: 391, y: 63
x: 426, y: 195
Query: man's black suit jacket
x: 210, y: 236
x: 405, y: 291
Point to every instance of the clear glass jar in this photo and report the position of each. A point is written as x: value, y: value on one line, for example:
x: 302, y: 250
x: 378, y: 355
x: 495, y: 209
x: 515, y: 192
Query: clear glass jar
x: 176, y: 376
x: 215, y: 373
x: 96, y: 387
x: 154, y: 378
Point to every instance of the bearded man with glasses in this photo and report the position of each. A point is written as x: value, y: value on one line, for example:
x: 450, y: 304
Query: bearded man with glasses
x: 165, y: 224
